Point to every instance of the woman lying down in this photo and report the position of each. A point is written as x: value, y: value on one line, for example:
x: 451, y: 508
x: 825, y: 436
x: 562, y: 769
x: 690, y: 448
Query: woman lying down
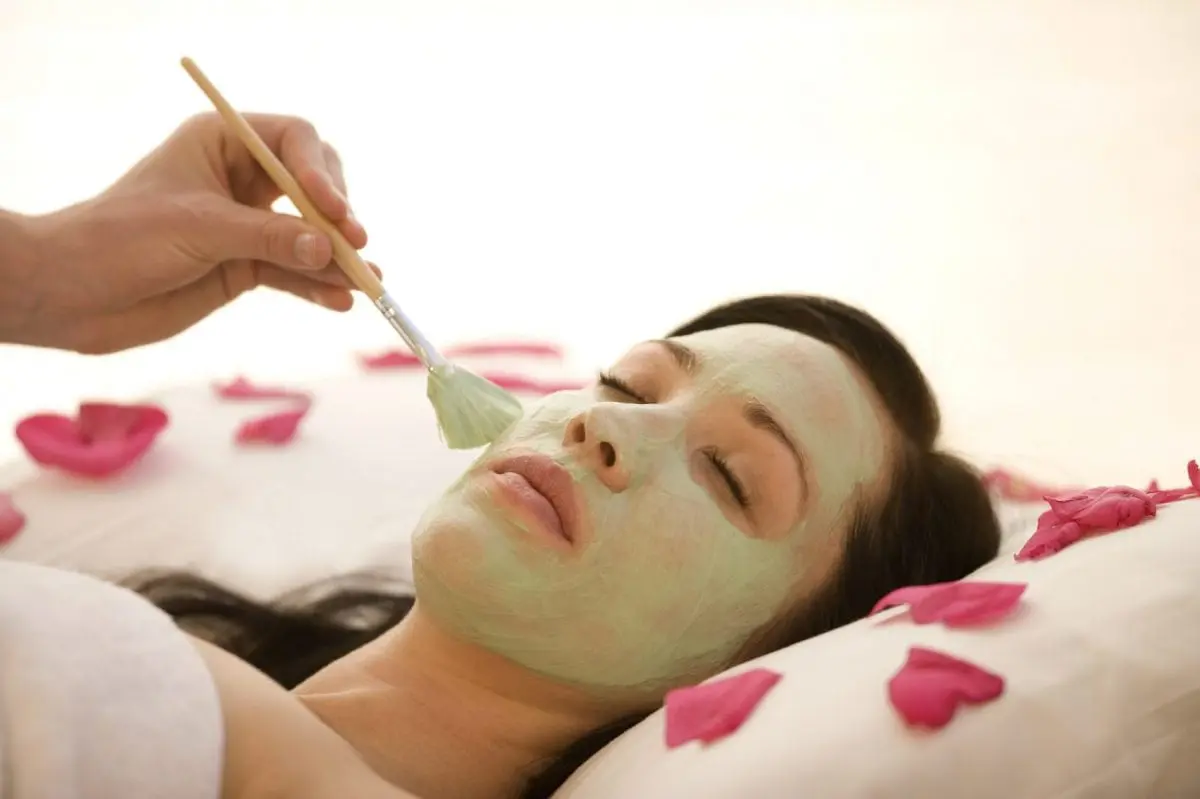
x: 762, y: 475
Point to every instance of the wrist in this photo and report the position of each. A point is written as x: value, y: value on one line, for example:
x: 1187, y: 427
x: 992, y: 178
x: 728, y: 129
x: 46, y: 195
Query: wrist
x: 21, y: 260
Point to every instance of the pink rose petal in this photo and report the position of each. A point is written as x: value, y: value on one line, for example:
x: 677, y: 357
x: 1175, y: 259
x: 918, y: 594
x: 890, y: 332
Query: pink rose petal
x: 11, y: 519
x: 1050, y: 540
x: 531, y: 349
x: 1115, y: 511
x: 1161, y: 497
x: 403, y: 359
x: 519, y: 384
x: 962, y: 603
x: 1047, y: 541
x: 1087, y: 513
x: 713, y: 710
x: 103, y: 439
x: 274, y: 428
x: 392, y: 359
x: 1100, y: 510
x: 1066, y: 505
x: 242, y: 389
x: 930, y: 686
x: 1164, y: 497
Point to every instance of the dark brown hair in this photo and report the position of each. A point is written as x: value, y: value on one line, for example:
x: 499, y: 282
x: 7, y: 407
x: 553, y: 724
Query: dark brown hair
x: 933, y: 522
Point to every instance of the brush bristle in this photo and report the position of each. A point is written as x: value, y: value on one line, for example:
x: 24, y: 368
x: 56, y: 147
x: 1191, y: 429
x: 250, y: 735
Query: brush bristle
x: 471, y: 410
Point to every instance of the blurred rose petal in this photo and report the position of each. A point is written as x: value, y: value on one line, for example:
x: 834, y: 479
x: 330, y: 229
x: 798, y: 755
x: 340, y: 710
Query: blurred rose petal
x: 716, y: 709
x: 391, y: 359
x: 274, y: 428
x: 930, y: 687
x: 527, y: 385
x: 240, y: 388
x: 956, y: 604
x: 529, y: 349
x: 103, y: 439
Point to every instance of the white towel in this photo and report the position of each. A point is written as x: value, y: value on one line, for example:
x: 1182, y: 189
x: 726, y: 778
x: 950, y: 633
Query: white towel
x: 100, y: 694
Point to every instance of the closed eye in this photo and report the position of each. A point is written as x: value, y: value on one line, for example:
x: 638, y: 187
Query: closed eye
x: 614, y: 383
x: 740, y: 495
x: 736, y: 488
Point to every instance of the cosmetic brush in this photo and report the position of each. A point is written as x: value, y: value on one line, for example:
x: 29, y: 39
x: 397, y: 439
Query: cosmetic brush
x: 471, y: 410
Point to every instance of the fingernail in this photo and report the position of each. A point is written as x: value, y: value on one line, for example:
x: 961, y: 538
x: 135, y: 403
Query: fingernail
x: 306, y: 250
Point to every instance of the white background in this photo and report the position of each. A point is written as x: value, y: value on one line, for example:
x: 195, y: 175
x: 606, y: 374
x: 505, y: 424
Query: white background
x: 1012, y: 186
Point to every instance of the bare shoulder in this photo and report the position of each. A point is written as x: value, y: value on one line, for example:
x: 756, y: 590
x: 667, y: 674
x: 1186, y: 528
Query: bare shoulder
x: 275, y: 747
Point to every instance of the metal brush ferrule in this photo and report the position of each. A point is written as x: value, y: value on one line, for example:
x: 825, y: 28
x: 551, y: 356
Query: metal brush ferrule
x: 416, y: 342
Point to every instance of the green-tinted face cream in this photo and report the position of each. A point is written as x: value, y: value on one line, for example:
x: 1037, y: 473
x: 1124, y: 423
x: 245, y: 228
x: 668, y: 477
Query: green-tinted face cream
x: 671, y: 576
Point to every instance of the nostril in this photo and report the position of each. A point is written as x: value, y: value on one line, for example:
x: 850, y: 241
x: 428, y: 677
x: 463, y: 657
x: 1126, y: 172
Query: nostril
x: 578, y: 432
x: 608, y: 454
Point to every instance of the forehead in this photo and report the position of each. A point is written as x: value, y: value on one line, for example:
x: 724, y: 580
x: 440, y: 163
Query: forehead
x: 781, y: 368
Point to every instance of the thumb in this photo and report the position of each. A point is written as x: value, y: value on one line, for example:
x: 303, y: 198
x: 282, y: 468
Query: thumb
x: 230, y: 231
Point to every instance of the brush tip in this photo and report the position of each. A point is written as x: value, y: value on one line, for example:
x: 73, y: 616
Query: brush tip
x: 471, y: 410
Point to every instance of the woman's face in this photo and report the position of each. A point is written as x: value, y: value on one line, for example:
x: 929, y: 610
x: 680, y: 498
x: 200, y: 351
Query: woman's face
x: 634, y: 535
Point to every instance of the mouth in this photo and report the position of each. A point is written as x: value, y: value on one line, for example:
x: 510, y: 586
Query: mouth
x: 543, y: 489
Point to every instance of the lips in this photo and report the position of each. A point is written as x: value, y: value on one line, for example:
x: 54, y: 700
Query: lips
x: 550, y: 482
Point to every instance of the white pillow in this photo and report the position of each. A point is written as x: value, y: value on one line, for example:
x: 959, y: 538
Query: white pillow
x: 1102, y: 664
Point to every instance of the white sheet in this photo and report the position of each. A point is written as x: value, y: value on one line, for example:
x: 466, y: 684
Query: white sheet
x: 344, y: 496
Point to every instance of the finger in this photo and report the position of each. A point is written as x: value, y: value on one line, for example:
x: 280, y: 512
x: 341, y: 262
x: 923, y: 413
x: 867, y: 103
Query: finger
x: 316, y: 167
x: 303, y: 153
x: 334, y: 298
x: 351, y: 228
x: 333, y: 275
x: 224, y: 230
x: 333, y: 166
x: 299, y: 147
x: 226, y: 284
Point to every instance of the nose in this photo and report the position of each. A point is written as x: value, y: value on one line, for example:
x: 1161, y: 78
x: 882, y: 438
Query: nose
x: 585, y: 440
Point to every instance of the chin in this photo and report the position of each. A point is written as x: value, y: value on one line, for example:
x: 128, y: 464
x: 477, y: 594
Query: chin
x: 448, y: 546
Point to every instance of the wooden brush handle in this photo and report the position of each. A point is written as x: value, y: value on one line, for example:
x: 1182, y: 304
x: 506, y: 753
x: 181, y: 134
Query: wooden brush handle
x: 346, y: 256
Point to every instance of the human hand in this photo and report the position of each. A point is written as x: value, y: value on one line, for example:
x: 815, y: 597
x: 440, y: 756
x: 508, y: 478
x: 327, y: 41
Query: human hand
x: 184, y: 232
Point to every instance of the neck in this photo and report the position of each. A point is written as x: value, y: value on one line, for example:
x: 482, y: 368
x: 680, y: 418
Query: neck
x: 443, y: 718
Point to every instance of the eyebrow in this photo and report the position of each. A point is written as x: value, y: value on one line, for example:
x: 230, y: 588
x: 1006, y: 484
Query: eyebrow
x: 757, y: 414
x: 684, y: 356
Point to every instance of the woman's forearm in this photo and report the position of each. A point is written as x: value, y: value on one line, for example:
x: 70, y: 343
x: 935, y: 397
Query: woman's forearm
x: 20, y: 265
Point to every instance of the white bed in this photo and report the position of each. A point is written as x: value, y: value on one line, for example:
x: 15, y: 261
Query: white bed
x: 1102, y: 661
